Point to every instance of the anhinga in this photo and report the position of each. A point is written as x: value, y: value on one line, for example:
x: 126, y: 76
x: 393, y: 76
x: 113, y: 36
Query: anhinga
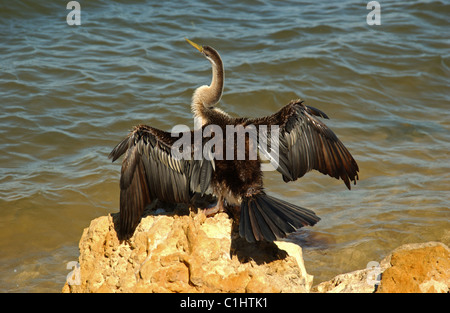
x: 150, y: 171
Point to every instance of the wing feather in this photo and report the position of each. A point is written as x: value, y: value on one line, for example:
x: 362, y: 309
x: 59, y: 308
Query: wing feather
x: 306, y: 144
x: 149, y: 172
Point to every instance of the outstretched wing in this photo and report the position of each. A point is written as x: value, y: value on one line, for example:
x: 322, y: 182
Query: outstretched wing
x: 305, y: 143
x: 150, y: 171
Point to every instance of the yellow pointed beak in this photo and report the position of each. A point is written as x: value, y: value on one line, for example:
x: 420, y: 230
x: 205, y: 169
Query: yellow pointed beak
x: 196, y: 46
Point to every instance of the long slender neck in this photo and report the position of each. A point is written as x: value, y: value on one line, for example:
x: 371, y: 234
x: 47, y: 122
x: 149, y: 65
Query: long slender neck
x: 206, y: 97
x: 216, y: 87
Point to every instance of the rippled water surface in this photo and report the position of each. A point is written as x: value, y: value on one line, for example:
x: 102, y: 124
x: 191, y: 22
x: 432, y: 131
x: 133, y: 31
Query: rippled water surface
x: 68, y: 94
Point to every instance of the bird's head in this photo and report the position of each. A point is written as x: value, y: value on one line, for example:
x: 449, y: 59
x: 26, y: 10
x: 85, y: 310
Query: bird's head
x: 209, y: 52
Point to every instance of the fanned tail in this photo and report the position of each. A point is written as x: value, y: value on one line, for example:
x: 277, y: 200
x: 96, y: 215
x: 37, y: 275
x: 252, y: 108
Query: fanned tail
x: 265, y: 218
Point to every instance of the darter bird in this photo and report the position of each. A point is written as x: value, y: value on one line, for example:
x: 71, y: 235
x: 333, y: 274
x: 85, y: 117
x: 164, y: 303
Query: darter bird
x: 150, y: 171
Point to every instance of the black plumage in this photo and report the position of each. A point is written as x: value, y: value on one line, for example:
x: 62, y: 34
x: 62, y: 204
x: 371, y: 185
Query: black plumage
x: 150, y: 170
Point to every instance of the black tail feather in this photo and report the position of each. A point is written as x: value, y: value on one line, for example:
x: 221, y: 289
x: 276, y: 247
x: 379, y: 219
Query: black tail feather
x: 265, y: 218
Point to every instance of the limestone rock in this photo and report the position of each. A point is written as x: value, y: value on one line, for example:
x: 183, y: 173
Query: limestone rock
x: 353, y: 282
x: 418, y: 268
x: 182, y: 253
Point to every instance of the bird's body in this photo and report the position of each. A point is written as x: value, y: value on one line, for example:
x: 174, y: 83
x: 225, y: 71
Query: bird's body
x: 150, y: 170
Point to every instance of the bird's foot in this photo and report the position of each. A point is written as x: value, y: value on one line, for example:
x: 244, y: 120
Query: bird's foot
x: 210, y: 211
